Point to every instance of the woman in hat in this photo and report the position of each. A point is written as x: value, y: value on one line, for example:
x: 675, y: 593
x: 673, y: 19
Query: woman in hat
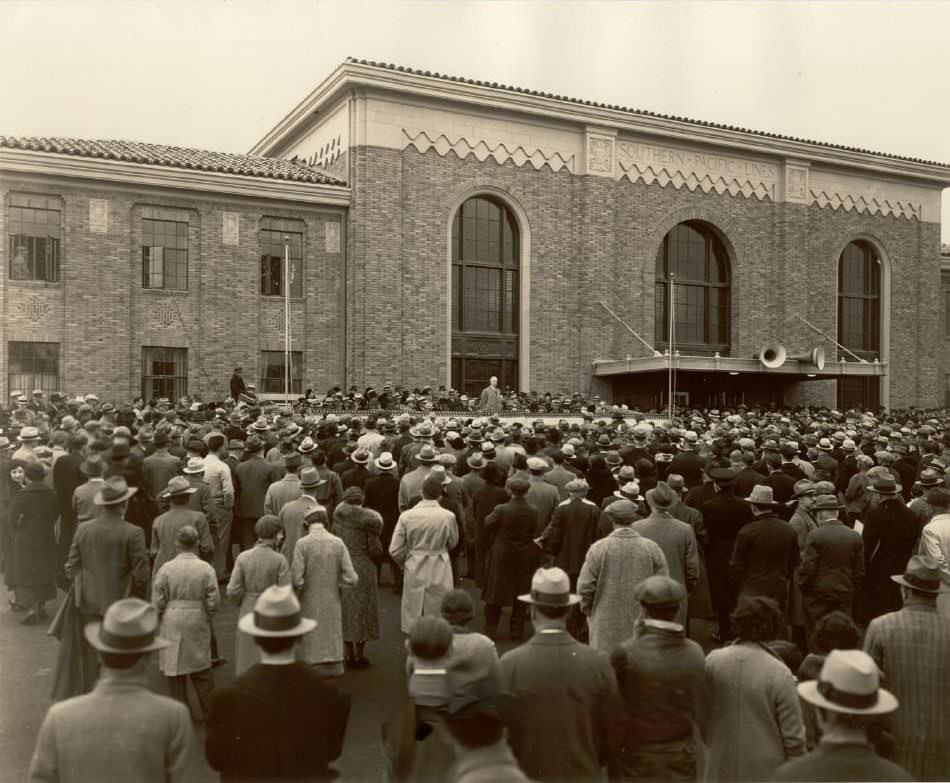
x: 752, y: 720
x: 890, y: 534
x: 856, y: 495
x: 255, y: 570
x: 320, y: 570
x: 600, y: 480
x: 382, y: 496
x: 32, y: 569
x: 359, y: 529
x: 185, y: 593
x: 483, y: 503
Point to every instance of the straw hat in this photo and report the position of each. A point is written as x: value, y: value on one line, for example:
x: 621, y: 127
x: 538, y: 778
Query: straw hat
x: 130, y: 626
x: 276, y: 614
x: 550, y: 587
x: 114, y: 491
x: 849, y: 683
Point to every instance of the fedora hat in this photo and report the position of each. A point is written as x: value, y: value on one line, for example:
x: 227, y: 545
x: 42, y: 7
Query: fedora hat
x: 439, y: 472
x: 292, y: 460
x: 114, y: 490
x: 361, y: 456
x: 475, y: 461
x: 195, y: 465
x: 550, y: 587
x: 826, y: 503
x: 253, y: 444
x: 761, y: 495
x: 307, y: 445
x: 661, y: 496
x: 28, y: 435
x: 921, y: 574
x: 849, y: 682
x: 613, y: 459
x: 310, y: 478
x: 537, y: 465
x: 276, y: 613
x: 629, y: 491
x: 178, y: 485
x: 803, y: 487
x: 90, y: 466
x: 130, y: 626
x: 930, y: 478
x: 885, y: 485
x: 385, y: 461
x: 427, y: 454
x: 474, y: 436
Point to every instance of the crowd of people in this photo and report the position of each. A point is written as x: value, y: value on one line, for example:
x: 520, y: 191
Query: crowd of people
x: 817, y: 540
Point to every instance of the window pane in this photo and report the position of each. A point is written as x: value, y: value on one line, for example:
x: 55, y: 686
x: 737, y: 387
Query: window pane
x: 34, y: 238
x: 273, y: 259
x: 272, y: 372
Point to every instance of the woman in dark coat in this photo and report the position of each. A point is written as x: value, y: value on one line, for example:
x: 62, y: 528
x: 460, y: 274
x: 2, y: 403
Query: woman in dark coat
x: 382, y: 495
x: 890, y: 532
x: 486, y: 498
x: 359, y: 528
x: 601, y: 480
x: 33, y: 514
x: 513, y: 560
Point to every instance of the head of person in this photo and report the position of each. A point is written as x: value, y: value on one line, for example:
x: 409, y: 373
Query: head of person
x: 921, y: 583
x: 178, y: 491
x: 126, y: 635
x: 517, y: 486
x: 474, y: 721
x: 756, y: 619
x: 577, y: 488
x: 864, y: 462
x: 432, y: 488
x: 218, y: 445
x: 457, y: 609
x: 835, y: 631
x: 266, y: 528
x: 34, y: 472
x: 113, y: 496
x: 292, y: 463
x: 494, y: 474
x: 661, y: 498
x: 186, y: 539
x: 493, y: 381
x: 825, y: 508
x: 430, y: 638
x: 939, y: 499
x: 550, y: 599
x: 276, y: 622
x: 353, y: 496
x: 660, y: 597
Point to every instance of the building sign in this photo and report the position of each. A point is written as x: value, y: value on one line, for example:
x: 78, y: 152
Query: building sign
x: 689, y: 162
x: 98, y: 216
x: 231, y: 228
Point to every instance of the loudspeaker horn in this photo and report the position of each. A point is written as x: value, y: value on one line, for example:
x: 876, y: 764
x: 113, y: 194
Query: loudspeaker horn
x: 773, y: 355
x: 816, y: 357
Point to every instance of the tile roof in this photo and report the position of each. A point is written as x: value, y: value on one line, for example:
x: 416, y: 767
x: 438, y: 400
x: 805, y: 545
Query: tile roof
x: 595, y: 104
x: 175, y: 157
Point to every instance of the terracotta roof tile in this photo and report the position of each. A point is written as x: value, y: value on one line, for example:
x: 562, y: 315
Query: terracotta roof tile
x: 702, y: 123
x: 175, y: 157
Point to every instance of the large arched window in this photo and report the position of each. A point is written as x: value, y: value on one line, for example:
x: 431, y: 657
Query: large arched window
x: 696, y: 258
x: 859, y: 320
x: 485, y: 286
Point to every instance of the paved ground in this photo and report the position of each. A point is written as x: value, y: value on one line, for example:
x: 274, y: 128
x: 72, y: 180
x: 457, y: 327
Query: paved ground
x: 28, y: 656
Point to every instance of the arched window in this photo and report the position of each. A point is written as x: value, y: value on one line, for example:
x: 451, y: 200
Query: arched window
x: 486, y: 254
x: 859, y: 320
x: 696, y: 258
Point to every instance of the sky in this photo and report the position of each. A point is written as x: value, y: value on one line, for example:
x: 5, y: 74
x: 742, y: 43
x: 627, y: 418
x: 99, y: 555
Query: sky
x: 218, y: 75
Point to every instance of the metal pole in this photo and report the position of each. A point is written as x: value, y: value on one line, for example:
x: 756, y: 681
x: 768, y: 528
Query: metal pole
x: 629, y: 328
x: 671, y: 348
x: 830, y: 339
x: 286, y: 318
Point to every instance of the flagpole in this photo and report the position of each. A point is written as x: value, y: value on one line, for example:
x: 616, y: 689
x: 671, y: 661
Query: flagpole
x: 671, y: 347
x: 286, y: 319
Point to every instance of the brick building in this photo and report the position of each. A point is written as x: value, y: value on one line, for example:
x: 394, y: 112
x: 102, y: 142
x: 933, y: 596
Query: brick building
x: 488, y: 230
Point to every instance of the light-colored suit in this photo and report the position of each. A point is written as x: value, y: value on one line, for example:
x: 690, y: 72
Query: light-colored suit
x: 120, y: 732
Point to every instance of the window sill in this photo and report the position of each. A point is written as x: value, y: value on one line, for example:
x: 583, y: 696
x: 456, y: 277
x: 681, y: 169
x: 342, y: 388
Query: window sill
x: 165, y: 291
x: 279, y: 298
x: 35, y: 283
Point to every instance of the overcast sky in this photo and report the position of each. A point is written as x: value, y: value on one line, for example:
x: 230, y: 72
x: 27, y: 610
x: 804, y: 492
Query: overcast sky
x: 219, y: 75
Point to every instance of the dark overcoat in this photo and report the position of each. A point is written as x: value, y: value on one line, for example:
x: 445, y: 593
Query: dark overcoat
x: 276, y: 723
x: 890, y: 532
x: 382, y: 495
x: 33, y: 514
x: 764, y: 557
x: 724, y: 515
x: 483, y: 504
x: 514, y: 555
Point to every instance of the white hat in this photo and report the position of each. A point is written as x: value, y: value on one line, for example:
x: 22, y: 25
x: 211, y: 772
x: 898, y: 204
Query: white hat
x: 849, y: 682
x: 276, y: 613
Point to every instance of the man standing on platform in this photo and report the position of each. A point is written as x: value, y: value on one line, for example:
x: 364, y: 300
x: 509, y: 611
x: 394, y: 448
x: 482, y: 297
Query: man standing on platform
x: 238, y: 386
x: 490, y: 398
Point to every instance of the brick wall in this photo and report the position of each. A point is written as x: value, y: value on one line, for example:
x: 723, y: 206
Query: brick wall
x: 595, y: 238
x: 101, y: 315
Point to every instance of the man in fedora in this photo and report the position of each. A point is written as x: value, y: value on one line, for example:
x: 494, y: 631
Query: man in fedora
x: 107, y: 556
x: 675, y: 538
x: 611, y: 573
x: 166, y: 526
x: 912, y: 648
x: 159, y: 466
x: 83, y: 503
x: 660, y: 676
x: 358, y: 473
x: 238, y: 387
x: 848, y: 700
x: 29, y: 438
x: 564, y: 700
x: 67, y: 476
x: 935, y: 540
x: 121, y: 731
x: 285, y: 489
x: 254, y: 475
x: 832, y: 564
x: 280, y: 720
x: 766, y: 550
x: 294, y: 513
x: 542, y: 495
x: 410, y: 486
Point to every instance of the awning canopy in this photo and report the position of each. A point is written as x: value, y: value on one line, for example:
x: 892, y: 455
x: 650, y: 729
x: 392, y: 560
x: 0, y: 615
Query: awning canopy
x: 604, y: 368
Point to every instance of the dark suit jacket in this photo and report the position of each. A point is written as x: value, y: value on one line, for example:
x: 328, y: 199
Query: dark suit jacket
x: 690, y: 466
x: 276, y: 723
x: 238, y: 387
x: 783, y: 487
x: 764, y: 557
x: 255, y: 476
x: 832, y: 565
x: 563, y: 716
x: 745, y: 480
x: 66, y: 477
x: 110, y: 558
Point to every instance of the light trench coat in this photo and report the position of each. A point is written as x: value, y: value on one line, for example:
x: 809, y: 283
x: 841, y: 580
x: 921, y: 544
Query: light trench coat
x: 321, y: 568
x: 421, y: 542
x: 185, y: 593
x: 255, y: 570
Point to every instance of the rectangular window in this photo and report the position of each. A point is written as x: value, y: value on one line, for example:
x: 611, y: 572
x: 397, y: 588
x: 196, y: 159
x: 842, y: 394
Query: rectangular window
x: 164, y: 372
x: 33, y: 366
x: 272, y: 372
x: 35, y: 231
x: 272, y: 235
x: 165, y: 254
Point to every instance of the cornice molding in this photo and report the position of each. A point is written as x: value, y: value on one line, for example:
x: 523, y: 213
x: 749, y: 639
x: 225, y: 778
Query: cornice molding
x: 354, y: 75
x: 142, y: 175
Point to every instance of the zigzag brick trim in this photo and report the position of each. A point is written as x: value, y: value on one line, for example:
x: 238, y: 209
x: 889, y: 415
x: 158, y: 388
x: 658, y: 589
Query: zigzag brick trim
x: 849, y: 203
x: 500, y: 153
x: 664, y: 178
